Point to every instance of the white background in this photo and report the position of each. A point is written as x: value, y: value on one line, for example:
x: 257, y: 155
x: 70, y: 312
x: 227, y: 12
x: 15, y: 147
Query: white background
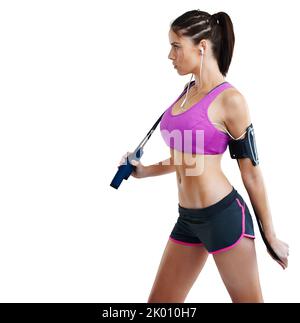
x: 82, y: 82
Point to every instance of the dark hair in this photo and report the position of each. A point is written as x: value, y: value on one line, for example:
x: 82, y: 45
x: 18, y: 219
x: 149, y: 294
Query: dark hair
x: 217, y: 28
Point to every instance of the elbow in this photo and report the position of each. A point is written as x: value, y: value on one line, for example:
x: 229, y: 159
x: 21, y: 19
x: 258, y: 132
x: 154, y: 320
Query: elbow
x: 252, y: 181
x: 252, y: 177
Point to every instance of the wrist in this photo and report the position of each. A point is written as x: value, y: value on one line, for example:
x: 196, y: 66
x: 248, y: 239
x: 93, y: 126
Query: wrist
x: 270, y: 235
x: 146, y: 171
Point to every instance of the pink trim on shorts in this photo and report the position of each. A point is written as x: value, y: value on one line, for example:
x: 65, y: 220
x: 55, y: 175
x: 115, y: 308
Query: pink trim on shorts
x: 243, y: 231
x: 249, y: 236
x: 187, y: 243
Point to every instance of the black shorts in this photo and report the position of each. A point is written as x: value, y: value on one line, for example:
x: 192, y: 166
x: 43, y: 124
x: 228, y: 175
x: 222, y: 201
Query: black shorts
x: 218, y: 227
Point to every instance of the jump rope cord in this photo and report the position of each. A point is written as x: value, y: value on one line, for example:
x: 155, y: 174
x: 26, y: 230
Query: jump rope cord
x: 187, y: 92
x: 143, y: 142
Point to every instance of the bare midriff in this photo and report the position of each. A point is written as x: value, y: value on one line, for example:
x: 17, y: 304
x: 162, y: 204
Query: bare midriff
x: 200, y: 179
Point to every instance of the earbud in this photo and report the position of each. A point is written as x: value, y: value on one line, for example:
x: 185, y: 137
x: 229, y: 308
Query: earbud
x: 201, y: 50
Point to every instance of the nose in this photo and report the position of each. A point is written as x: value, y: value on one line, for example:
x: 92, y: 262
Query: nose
x: 170, y: 56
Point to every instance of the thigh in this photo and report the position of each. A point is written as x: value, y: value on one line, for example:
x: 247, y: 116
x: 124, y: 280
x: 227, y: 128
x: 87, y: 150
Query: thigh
x: 179, y: 267
x: 239, y: 271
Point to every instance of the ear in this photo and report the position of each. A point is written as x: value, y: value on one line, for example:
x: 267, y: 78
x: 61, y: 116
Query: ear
x: 203, y: 44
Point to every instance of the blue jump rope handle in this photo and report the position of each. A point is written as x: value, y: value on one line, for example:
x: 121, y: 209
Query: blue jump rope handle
x: 126, y: 168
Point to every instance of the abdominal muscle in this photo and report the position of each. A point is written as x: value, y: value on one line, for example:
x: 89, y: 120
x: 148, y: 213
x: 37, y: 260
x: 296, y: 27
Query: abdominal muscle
x: 200, y: 179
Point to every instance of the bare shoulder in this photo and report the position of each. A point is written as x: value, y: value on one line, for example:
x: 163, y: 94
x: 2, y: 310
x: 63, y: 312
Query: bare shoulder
x: 234, y: 104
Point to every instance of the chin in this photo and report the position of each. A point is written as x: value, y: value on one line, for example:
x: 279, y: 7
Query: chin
x: 183, y: 73
x: 180, y: 72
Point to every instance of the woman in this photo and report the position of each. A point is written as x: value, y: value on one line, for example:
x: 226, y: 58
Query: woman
x: 213, y: 217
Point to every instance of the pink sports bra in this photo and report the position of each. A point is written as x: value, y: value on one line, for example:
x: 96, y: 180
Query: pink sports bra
x: 191, y: 131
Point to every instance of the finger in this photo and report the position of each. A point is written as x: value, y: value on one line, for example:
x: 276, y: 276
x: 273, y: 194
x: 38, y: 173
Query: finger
x: 284, y: 264
x: 279, y: 261
x: 281, y: 264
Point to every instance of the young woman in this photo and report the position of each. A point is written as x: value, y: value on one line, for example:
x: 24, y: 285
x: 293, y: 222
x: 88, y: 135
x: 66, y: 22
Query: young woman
x: 213, y: 217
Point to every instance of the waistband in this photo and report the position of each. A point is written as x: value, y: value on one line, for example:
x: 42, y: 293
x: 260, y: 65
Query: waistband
x: 209, y: 210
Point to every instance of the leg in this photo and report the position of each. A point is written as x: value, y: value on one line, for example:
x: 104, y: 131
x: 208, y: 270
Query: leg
x: 178, y: 270
x: 239, y: 272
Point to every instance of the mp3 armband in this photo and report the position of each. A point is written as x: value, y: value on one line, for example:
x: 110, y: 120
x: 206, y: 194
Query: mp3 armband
x: 245, y: 148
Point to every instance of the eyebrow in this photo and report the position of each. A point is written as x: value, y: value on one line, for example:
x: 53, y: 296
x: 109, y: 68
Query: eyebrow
x: 175, y: 43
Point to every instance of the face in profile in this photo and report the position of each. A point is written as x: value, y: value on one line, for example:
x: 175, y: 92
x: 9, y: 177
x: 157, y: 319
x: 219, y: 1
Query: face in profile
x: 184, y: 54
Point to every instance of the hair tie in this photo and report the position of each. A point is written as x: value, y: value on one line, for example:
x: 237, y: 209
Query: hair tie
x: 214, y: 17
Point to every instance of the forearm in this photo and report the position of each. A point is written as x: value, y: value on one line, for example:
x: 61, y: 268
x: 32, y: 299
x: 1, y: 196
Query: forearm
x: 163, y: 167
x: 259, y: 200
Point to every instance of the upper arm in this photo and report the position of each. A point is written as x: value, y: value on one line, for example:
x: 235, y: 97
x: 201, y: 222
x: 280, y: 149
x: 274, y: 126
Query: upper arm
x: 237, y: 115
x: 237, y: 118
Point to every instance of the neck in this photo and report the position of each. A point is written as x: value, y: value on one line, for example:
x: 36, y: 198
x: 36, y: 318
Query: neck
x: 209, y: 78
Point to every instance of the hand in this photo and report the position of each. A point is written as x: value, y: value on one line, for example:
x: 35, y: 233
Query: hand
x: 139, y: 171
x: 282, y: 251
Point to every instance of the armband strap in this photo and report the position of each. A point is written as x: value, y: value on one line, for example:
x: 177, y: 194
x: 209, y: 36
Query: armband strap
x: 245, y: 148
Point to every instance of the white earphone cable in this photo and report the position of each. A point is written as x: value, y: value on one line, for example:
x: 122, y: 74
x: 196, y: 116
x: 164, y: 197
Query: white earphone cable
x: 228, y: 131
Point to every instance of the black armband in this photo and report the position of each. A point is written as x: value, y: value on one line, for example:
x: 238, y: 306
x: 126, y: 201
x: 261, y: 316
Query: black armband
x: 244, y: 148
